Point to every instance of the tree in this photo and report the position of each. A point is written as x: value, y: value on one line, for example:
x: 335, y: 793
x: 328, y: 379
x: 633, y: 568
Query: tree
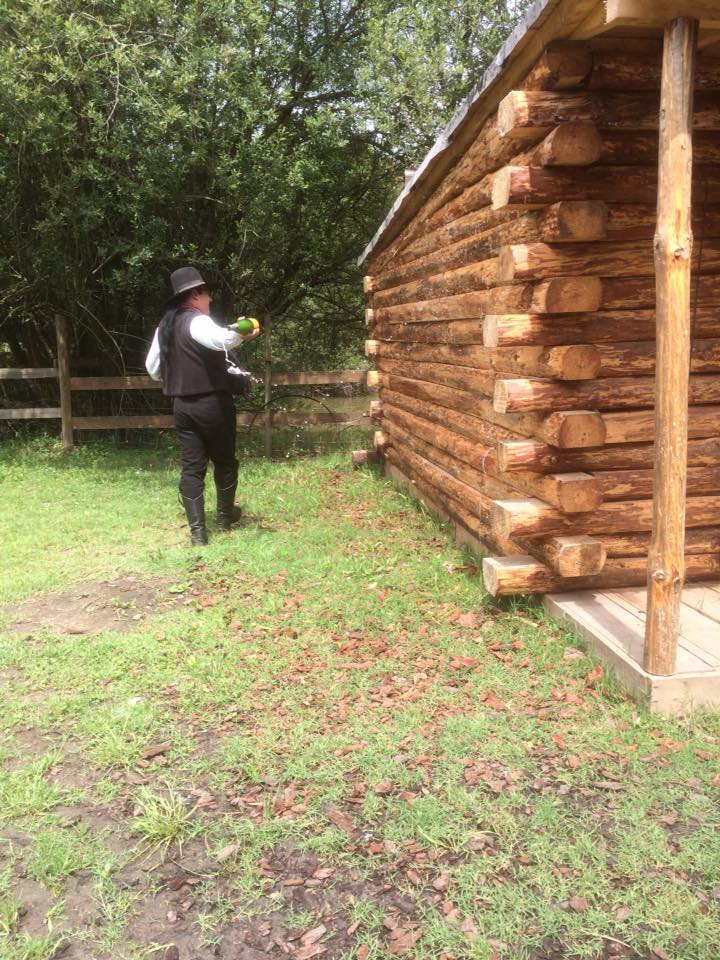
x: 262, y: 139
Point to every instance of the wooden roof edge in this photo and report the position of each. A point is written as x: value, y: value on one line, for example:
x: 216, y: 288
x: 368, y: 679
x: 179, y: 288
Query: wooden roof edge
x: 544, y: 21
x: 437, y: 156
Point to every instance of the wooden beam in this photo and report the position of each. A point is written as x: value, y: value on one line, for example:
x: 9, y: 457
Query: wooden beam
x: 165, y: 421
x: 506, y: 576
x: 537, y: 457
x: 530, y: 114
x: 62, y: 334
x: 115, y: 383
x: 562, y: 65
x: 535, y: 518
x: 27, y: 373
x: 527, y: 187
x: 321, y: 376
x: 657, y: 13
x: 278, y: 379
x: 576, y: 143
x: 361, y: 457
x: 32, y: 413
x: 573, y: 556
x: 673, y: 253
x: 611, y: 393
x: 612, y: 328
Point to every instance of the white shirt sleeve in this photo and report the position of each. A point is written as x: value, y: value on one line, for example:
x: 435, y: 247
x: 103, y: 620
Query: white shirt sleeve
x: 205, y: 331
x: 152, y: 361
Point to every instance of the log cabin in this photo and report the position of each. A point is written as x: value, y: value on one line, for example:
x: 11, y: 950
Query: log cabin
x: 543, y: 314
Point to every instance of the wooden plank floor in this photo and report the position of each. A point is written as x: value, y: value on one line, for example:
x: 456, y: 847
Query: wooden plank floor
x: 613, y: 623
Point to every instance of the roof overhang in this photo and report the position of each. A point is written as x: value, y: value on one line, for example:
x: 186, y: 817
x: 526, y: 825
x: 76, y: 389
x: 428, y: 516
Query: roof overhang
x: 545, y: 21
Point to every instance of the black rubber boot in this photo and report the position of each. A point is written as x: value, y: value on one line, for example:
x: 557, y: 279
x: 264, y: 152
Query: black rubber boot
x: 227, y: 512
x: 195, y: 512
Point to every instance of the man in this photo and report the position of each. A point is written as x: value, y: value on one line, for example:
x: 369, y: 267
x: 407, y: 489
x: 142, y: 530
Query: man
x: 189, y: 355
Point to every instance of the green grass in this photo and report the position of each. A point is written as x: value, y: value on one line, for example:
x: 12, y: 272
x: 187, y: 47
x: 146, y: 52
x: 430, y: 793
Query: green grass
x: 325, y: 707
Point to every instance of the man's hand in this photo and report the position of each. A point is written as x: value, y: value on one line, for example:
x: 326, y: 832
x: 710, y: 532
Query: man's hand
x: 243, y: 323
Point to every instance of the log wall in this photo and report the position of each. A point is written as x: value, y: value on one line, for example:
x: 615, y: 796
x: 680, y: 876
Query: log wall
x: 512, y: 325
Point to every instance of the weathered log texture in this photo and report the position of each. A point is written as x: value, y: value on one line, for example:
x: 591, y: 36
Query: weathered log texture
x: 629, y: 293
x: 574, y: 144
x: 440, y: 502
x: 572, y: 362
x: 538, y: 457
x: 565, y: 430
x: 533, y: 518
x: 639, y: 484
x: 614, y: 393
x: 439, y: 272
x: 510, y: 575
x: 697, y: 540
x: 570, y: 493
x: 612, y: 327
x: 572, y: 220
x: 448, y: 375
x: 626, y: 222
x: 562, y: 66
x: 570, y: 556
x: 639, y: 425
x: 531, y: 261
x: 673, y: 258
x: 474, y: 501
x: 481, y: 432
x: 436, y: 273
x: 361, y: 457
x: 560, y: 295
x: 473, y: 277
x: 527, y: 186
x: 450, y: 479
x: 529, y: 114
x: 626, y: 147
x: 460, y: 192
x: 473, y: 479
x: 623, y: 70
x: 381, y: 441
x: 624, y: 359
x: 470, y: 225
x: 454, y: 331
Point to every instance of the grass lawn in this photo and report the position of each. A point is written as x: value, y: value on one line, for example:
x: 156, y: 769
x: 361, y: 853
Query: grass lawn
x: 317, y: 737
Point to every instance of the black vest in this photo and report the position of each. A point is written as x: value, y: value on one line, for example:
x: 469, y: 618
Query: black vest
x: 192, y: 368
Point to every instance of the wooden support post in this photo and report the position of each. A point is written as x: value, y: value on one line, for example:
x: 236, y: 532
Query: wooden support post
x: 63, y: 366
x: 267, y: 380
x: 673, y: 250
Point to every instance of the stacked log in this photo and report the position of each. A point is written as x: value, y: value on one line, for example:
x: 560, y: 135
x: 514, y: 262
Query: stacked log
x: 512, y: 325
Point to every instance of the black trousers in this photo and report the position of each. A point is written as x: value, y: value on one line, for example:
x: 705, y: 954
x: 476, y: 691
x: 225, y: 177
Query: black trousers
x: 206, y: 429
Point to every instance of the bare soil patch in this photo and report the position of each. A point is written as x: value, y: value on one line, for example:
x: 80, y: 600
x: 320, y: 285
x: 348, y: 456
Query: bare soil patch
x: 93, y: 607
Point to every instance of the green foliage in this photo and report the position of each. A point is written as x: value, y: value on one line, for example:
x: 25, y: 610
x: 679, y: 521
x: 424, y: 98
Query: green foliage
x: 262, y: 140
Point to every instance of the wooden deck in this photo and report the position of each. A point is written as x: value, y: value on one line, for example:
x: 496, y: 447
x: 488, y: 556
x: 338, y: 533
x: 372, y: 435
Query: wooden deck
x: 613, y: 623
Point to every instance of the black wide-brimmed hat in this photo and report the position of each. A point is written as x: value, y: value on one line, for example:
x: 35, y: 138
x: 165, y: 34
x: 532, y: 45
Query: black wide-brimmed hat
x: 184, y: 279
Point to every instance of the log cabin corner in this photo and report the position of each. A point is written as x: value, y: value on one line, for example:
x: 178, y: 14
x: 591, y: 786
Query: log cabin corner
x: 543, y: 317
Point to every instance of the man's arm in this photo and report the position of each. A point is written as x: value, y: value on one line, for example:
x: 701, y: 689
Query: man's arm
x: 205, y: 331
x: 152, y: 361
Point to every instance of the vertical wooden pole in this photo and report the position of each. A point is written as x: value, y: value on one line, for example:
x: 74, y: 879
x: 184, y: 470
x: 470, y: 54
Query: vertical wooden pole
x: 268, y: 385
x: 63, y: 367
x: 673, y: 248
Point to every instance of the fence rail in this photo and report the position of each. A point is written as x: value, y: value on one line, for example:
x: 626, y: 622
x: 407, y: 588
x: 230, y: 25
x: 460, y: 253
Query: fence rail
x: 69, y: 385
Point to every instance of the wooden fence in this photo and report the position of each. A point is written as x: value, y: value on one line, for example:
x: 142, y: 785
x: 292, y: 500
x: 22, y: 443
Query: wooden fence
x: 68, y: 385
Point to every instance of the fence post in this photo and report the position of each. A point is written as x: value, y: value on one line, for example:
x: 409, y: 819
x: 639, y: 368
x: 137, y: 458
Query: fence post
x: 63, y: 368
x: 267, y: 378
